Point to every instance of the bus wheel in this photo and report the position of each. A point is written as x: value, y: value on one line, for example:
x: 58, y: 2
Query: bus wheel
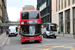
x: 45, y: 36
x: 54, y: 37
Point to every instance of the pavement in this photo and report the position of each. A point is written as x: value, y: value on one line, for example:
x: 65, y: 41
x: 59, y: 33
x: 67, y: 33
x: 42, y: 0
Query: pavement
x: 3, y: 38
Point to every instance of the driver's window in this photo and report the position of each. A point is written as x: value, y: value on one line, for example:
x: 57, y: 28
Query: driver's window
x: 47, y: 28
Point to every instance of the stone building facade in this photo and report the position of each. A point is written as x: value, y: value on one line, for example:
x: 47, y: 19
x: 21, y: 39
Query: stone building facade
x: 63, y: 13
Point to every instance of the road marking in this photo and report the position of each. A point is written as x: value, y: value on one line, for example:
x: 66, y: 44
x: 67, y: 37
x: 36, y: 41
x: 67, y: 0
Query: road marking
x: 43, y: 46
x: 45, y: 49
x: 8, y: 41
x: 63, y: 45
x: 73, y: 49
x: 4, y: 41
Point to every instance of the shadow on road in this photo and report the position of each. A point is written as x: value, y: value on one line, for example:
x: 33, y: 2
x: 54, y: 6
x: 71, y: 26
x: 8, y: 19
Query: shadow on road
x: 12, y: 36
x: 49, y: 38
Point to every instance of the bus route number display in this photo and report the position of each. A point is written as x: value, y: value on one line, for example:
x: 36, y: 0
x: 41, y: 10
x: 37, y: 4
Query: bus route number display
x: 30, y: 21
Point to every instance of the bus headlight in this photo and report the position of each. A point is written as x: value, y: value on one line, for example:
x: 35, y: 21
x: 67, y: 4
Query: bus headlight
x: 23, y: 37
x: 39, y: 36
x: 22, y: 23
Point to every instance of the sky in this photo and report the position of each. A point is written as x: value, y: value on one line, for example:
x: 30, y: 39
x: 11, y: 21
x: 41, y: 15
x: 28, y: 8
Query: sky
x: 15, y: 6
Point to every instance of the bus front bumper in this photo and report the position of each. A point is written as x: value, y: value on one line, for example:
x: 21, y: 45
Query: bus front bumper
x: 29, y: 39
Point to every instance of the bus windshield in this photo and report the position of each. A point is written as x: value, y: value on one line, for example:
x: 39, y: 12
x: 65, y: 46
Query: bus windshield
x: 31, y: 30
x: 53, y: 27
x: 30, y: 15
x: 50, y: 27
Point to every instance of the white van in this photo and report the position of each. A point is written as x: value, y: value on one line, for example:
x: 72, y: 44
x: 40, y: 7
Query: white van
x: 12, y: 31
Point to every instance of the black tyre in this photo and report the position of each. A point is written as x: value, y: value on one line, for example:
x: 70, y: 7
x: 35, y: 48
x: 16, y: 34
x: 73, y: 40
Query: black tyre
x: 9, y: 35
x: 22, y: 43
x: 45, y: 36
x: 40, y: 41
x: 54, y: 37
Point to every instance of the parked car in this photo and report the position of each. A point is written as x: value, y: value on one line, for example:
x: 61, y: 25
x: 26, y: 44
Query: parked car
x: 47, y: 34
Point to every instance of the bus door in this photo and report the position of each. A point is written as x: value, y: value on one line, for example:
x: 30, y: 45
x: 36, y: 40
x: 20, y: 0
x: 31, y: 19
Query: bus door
x: 53, y: 27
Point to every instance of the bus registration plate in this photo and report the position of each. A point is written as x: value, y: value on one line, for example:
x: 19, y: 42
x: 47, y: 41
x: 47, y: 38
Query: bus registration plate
x: 31, y: 37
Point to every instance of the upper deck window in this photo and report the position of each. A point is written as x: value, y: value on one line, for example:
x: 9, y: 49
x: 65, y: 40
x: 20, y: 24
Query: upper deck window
x: 30, y: 15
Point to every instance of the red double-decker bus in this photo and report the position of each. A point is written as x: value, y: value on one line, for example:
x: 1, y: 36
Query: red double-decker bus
x: 30, y: 22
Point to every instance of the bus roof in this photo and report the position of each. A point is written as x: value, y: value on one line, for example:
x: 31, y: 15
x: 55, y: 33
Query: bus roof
x: 29, y: 10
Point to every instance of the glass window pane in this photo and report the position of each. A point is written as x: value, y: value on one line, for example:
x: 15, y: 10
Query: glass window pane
x: 61, y: 27
x: 73, y: 1
x: 31, y: 29
x: 30, y: 15
x: 62, y: 3
x: 68, y: 27
x: 67, y: 14
x: 74, y: 12
x: 65, y: 3
x: 74, y: 27
x: 61, y: 17
x: 68, y: 2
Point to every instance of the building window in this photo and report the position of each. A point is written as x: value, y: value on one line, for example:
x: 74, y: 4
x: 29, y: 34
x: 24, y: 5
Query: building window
x: 65, y: 3
x: 61, y: 21
x: 0, y: 18
x: 68, y: 2
x: 73, y: 12
x: 74, y: 20
x: 41, y: 20
x: 61, y: 27
x: 0, y: 7
x: 48, y: 2
x: 67, y: 16
x: 44, y: 19
x: 61, y: 4
x: 73, y: 1
x: 61, y: 17
x: 47, y: 18
x: 68, y: 27
x: 74, y: 27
